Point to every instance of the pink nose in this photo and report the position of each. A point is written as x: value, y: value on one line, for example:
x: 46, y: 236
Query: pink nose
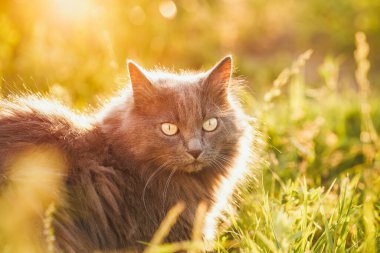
x: 195, y: 153
x: 194, y: 147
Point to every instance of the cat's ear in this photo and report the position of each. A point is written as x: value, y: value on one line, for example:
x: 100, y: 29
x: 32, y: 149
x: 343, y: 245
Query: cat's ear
x: 218, y: 79
x: 141, y: 86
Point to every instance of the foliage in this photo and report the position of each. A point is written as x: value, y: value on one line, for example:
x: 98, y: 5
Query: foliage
x: 82, y: 45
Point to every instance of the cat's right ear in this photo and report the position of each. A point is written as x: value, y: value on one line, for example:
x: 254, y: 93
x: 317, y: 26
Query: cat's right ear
x: 141, y: 86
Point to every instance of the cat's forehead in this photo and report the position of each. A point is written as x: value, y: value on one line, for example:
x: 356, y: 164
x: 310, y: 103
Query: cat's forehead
x: 179, y: 97
x: 185, y: 97
x: 162, y: 79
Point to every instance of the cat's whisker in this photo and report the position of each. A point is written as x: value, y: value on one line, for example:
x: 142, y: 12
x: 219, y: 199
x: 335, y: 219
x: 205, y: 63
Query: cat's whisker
x: 154, y: 159
x: 227, y: 162
x: 218, y: 164
x: 225, y: 158
x: 166, y: 188
x: 155, y: 173
x: 227, y: 130
x: 215, y: 164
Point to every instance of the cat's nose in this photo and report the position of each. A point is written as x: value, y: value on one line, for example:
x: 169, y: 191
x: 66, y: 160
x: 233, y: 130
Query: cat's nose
x: 194, y: 147
x: 195, y: 153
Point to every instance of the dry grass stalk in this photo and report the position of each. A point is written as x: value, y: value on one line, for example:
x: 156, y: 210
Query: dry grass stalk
x: 198, y: 224
x: 165, y: 227
x: 48, y: 228
x: 283, y: 78
x: 33, y: 181
x: 368, y: 133
x: 368, y: 137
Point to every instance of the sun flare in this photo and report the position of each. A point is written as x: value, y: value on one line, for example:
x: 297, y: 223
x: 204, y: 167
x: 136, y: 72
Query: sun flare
x: 72, y: 11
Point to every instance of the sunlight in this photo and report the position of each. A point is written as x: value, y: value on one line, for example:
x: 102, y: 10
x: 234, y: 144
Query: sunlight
x: 72, y: 10
x: 137, y: 15
x: 168, y: 9
x: 50, y: 107
x: 226, y: 188
x: 78, y: 172
x: 35, y: 181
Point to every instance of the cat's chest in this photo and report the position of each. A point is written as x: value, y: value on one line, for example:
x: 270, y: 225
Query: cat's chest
x: 156, y: 198
x: 172, y: 190
x: 156, y: 203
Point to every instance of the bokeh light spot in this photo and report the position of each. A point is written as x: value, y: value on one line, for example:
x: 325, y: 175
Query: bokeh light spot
x: 137, y: 15
x: 71, y: 10
x: 168, y: 9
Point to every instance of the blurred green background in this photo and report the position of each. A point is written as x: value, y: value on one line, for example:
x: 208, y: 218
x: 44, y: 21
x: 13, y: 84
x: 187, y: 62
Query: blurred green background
x: 82, y: 45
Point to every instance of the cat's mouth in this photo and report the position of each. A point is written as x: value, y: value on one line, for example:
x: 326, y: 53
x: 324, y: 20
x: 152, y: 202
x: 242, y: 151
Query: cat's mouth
x: 193, y: 167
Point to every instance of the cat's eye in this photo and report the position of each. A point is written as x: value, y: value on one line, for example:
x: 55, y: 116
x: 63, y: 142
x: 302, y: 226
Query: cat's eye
x: 169, y: 128
x: 210, y: 124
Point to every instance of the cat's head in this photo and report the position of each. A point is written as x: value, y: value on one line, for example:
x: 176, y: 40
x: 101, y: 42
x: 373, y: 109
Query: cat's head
x: 185, y: 122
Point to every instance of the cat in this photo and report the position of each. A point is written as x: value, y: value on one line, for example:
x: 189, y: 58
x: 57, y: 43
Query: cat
x: 167, y: 138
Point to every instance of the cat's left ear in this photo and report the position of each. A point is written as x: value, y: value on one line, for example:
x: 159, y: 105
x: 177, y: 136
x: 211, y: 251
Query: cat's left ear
x: 141, y: 85
x: 218, y: 78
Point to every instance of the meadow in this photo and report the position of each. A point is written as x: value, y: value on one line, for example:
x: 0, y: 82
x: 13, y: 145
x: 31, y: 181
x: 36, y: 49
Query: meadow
x: 313, y: 94
x: 318, y: 186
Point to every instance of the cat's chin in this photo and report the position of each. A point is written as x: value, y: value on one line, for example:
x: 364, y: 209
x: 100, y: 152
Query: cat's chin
x: 193, y: 167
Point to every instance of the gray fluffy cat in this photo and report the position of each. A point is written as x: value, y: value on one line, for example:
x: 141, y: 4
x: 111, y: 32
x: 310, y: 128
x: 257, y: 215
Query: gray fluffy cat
x: 168, y: 138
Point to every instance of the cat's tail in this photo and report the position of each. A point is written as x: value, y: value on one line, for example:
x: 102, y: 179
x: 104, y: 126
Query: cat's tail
x: 37, y: 120
x: 33, y: 168
x: 34, y: 121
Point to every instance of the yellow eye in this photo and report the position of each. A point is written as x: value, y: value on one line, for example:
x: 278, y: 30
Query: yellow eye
x: 169, y: 129
x: 210, y: 124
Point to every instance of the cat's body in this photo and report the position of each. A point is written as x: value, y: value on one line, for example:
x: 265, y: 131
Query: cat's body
x: 123, y: 174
